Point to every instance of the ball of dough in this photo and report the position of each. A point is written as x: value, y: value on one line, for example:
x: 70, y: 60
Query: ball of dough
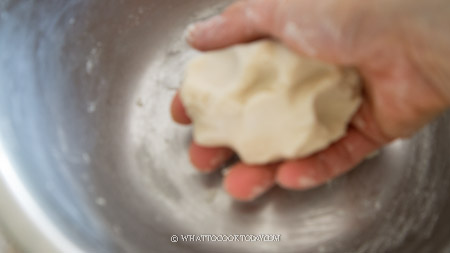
x: 268, y: 103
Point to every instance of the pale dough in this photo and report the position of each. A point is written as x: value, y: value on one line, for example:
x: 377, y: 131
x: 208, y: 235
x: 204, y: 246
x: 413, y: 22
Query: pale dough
x: 268, y: 103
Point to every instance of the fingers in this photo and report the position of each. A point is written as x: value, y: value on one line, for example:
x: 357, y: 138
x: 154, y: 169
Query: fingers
x: 208, y: 159
x: 243, y: 21
x: 326, y: 30
x: 243, y: 182
x: 178, y: 112
x: 246, y: 182
x: 205, y: 159
x: 303, y: 174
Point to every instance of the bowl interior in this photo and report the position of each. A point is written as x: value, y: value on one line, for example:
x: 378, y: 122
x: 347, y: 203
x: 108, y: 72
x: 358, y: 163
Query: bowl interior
x: 85, y: 89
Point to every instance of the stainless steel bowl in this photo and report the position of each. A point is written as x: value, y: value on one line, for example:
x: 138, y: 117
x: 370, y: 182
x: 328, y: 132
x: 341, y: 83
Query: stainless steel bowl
x: 91, y: 162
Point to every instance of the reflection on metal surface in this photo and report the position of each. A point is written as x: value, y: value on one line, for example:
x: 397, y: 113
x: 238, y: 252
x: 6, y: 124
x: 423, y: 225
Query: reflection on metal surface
x: 30, y: 208
x: 91, y: 156
x: 6, y: 245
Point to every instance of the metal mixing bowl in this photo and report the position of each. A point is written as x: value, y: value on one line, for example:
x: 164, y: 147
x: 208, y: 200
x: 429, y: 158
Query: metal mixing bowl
x: 91, y: 162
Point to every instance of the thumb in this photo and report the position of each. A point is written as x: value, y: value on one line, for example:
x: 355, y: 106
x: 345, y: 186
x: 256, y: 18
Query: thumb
x: 323, y: 29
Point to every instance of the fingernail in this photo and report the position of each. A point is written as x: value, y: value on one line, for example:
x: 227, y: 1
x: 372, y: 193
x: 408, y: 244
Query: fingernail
x: 189, y: 33
x: 210, y: 24
x: 307, y: 183
x: 257, y: 191
x: 260, y: 190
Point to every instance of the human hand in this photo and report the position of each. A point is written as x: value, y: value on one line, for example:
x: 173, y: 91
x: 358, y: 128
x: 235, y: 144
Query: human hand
x: 400, y: 49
